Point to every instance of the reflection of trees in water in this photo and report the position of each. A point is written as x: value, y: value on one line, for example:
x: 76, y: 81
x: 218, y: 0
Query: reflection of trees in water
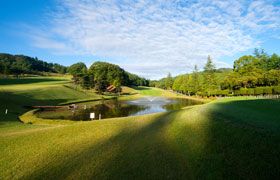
x: 113, y: 108
x: 180, y: 103
x: 108, y: 110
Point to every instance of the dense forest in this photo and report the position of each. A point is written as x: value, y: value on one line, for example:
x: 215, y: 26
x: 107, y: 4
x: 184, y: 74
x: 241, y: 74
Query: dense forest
x: 102, y: 75
x: 20, y: 64
x: 256, y: 74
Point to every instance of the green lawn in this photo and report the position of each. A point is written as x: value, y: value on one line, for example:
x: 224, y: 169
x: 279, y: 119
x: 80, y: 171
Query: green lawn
x: 152, y: 91
x: 36, y: 91
x: 233, y: 138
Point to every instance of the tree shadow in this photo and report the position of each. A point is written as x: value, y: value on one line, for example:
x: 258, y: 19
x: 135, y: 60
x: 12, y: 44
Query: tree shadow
x: 17, y: 104
x: 141, y: 88
x: 260, y: 114
x: 178, y: 145
x: 131, y: 154
x: 27, y: 81
x: 242, y: 141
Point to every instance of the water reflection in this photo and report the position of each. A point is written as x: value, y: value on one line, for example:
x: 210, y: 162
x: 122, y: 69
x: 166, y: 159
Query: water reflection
x: 116, y: 108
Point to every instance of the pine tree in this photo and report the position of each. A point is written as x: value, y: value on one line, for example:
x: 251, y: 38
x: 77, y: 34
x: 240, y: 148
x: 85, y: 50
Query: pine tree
x: 210, y: 82
x: 168, y: 81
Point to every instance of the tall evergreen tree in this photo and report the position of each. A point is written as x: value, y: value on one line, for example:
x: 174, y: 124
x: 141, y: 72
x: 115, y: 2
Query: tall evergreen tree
x: 168, y: 81
x: 210, y: 82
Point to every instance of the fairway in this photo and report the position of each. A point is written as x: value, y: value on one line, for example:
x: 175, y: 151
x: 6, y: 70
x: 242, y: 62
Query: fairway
x: 140, y: 90
x: 232, y: 137
x: 152, y: 91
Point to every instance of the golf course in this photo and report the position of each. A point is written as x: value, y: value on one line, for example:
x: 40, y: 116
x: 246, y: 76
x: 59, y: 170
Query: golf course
x: 139, y: 90
x: 226, y: 138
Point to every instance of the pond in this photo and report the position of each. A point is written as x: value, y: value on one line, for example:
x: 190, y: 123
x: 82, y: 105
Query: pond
x: 116, y: 108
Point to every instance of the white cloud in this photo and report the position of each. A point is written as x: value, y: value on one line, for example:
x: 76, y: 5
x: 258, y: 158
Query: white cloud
x: 156, y: 37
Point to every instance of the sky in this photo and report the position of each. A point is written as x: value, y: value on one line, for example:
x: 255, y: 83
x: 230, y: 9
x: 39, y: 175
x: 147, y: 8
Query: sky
x: 146, y: 37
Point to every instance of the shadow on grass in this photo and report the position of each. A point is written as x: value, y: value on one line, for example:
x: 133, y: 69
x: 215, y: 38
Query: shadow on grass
x: 243, y: 141
x: 260, y: 114
x: 27, y: 81
x: 17, y: 105
x: 218, y: 146
x: 141, y: 88
x: 132, y: 154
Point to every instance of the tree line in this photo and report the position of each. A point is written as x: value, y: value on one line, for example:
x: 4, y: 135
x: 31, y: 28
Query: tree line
x: 251, y: 75
x: 101, y: 75
x: 20, y: 64
x: 255, y: 74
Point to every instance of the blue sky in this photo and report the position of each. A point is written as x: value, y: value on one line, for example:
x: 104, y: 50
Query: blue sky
x: 149, y: 38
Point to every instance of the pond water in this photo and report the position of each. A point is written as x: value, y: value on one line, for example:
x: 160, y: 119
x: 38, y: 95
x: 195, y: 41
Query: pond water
x: 117, y: 108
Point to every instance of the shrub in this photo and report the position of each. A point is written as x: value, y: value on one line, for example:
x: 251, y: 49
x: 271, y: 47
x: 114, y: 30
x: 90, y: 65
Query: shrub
x: 258, y: 90
x: 251, y: 91
x: 224, y: 92
x: 276, y: 89
x: 243, y: 91
x: 267, y: 90
x: 236, y: 92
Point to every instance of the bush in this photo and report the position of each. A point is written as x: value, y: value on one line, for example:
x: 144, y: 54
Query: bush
x: 267, y: 90
x: 223, y: 92
x: 258, y: 90
x: 251, y: 91
x: 237, y: 92
x: 243, y: 91
x: 276, y: 89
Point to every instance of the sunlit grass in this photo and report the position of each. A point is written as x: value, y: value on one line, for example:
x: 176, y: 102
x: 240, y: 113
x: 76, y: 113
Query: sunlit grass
x: 196, y: 142
x: 234, y: 138
x: 15, y: 97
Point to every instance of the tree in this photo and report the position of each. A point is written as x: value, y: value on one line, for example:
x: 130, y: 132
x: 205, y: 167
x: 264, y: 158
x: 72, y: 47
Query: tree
x: 1, y: 68
x: 185, y: 86
x: 106, y: 74
x: 274, y: 62
x: 209, y: 76
x: 117, y: 84
x: 250, y: 69
x: 87, y: 81
x: 249, y: 73
x: 259, y: 53
x: 209, y: 66
x: 168, y: 81
x: 177, y: 83
x: 77, y: 70
x: 20, y: 64
x: 246, y: 64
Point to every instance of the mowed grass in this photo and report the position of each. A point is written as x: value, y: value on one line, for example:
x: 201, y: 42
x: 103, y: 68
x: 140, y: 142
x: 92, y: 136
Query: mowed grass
x: 219, y: 140
x: 29, y: 80
x: 152, y: 91
x: 234, y: 138
x: 35, y: 91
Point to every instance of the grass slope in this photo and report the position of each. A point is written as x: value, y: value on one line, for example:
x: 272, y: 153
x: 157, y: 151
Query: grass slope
x: 203, y: 141
x: 35, y: 91
x: 151, y: 91
x: 233, y: 138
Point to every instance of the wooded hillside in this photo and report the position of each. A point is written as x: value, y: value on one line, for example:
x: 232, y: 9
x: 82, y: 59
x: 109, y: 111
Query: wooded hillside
x: 20, y: 64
